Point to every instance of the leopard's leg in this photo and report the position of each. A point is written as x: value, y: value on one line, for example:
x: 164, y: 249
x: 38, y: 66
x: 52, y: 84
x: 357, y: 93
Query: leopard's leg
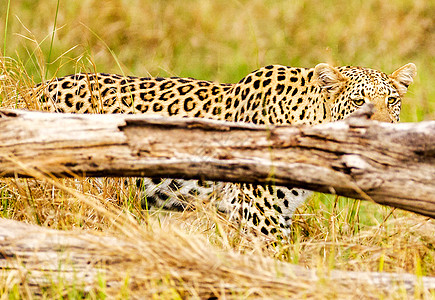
x: 266, y: 208
x: 174, y: 194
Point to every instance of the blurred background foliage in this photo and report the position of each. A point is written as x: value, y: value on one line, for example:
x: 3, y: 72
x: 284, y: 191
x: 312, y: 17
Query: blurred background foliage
x: 223, y: 40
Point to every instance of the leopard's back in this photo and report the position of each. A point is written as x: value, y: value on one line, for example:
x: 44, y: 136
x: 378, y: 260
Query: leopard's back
x: 111, y: 93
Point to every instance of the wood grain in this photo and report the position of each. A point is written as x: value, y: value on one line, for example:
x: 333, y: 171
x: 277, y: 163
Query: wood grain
x: 391, y: 164
x: 40, y: 257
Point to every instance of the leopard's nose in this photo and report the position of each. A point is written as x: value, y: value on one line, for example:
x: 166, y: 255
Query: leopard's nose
x: 383, y: 117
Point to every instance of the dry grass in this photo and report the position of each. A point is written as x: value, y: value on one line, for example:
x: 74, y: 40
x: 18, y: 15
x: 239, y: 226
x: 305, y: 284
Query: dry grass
x: 198, y: 254
x: 219, y: 40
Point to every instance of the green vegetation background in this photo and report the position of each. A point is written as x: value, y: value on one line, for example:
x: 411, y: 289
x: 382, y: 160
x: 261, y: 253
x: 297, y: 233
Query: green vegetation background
x: 223, y: 40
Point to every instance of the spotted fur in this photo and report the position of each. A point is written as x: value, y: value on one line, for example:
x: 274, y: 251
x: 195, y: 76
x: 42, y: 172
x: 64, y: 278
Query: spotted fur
x: 271, y: 95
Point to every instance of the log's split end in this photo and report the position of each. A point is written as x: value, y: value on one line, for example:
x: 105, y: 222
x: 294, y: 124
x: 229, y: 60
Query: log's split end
x: 8, y: 113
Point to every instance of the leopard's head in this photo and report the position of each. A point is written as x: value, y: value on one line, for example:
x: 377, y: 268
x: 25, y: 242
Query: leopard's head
x: 348, y: 88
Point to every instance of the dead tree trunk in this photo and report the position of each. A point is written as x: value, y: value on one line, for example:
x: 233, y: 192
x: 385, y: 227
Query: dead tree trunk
x: 392, y: 164
x: 38, y: 257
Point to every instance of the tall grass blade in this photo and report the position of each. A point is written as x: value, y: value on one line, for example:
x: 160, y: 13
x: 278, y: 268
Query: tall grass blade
x: 6, y: 28
x: 52, y: 37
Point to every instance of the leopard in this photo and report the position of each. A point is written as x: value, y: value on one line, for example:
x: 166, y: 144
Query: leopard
x: 271, y: 95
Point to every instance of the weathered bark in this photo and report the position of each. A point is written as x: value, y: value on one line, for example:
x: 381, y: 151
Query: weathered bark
x: 391, y: 164
x: 41, y: 257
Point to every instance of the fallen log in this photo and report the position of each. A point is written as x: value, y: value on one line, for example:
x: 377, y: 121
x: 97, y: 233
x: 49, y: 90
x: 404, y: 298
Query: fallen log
x: 37, y: 258
x: 391, y: 164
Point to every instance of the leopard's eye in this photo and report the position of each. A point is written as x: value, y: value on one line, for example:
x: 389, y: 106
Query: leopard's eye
x: 393, y: 100
x: 359, y: 102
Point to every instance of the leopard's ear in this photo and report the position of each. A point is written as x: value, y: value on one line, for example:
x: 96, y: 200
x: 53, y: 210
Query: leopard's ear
x: 329, y: 78
x: 403, y: 77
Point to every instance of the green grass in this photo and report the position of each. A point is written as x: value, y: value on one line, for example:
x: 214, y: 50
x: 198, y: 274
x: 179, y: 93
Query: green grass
x: 223, y: 41
x: 6, y: 28
x: 52, y: 36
